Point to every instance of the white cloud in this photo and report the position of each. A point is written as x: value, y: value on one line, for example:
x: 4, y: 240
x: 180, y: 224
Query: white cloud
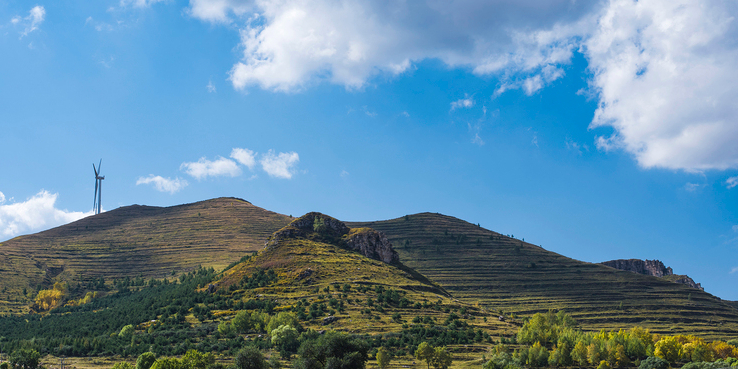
x: 465, y: 103
x: 210, y: 87
x: 245, y: 157
x: 35, y: 17
x: 204, y: 168
x: 139, y: 3
x: 287, y: 44
x: 344, y: 174
x: 731, y: 182
x: 219, y: 11
x: 280, y: 165
x: 35, y: 214
x: 665, y: 75
x: 2, y: 197
x: 163, y: 184
x: 663, y: 70
x: 735, y: 228
x: 691, y: 187
x: 734, y: 270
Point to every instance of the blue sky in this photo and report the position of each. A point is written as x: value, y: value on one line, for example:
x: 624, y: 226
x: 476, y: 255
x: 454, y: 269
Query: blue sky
x: 601, y: 131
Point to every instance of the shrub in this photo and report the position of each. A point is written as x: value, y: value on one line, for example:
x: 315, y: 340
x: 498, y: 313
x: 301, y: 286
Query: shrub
x: 145, y: 360
x: 653, y: 362
x: 250, y: 358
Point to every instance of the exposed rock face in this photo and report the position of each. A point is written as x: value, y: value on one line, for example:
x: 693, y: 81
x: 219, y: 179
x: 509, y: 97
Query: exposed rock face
x: 320, y: 227
x: 683, y: 279
x: 648, y: 267
x: 372, y: 244
x: 652, y: 267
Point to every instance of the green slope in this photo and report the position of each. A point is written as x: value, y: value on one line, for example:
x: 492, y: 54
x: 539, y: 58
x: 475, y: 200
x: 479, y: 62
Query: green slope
x: 509, y: 275
x: 133, y: 241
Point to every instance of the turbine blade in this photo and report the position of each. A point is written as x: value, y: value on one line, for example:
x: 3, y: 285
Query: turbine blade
x: 93, y: 168
x: 98, y: 166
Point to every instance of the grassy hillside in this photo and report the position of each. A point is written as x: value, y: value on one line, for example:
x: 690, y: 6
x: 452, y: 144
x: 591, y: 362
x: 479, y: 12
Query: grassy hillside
x: 508, y: 275
x: 133, y: 241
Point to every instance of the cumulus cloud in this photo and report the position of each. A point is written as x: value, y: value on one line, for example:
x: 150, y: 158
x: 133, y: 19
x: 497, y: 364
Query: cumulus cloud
x: 665, y: 75
x: 245, y: 157
x: 204, y: 168
x: 37, y: 213
x: 289, y: 43
x: 280, y: 165
x: 2, y: 197
x: 465, y: 103
x: 662, y: 70
x: 162, y: 184
x: 731, y: 182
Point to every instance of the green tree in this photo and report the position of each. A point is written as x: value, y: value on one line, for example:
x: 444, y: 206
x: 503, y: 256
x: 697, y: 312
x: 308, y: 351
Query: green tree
x: 226, y: 328
x: 425, y: 352
x: 145, y: 360
x: 537, y: 356
x: 284, y: 338
x: 122, y: 365
x: 603, y: 365
x: 579, y: 353
x: 332, y: 350
x: 167, y: 363
x: 126, y: 332
x: 383, y: 358
x: 24, y: 359
x: 242, y: 322
x: 250, y: 358
x: 284, y: 318
x: 653, y: 362
x: 194, y: 359
x: 441, y: 358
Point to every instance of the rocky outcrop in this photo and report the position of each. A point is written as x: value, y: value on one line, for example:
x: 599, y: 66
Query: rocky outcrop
x: 320, y: 227
x: 654, y: 268
x: 648, y: 267
x: 372, y: 244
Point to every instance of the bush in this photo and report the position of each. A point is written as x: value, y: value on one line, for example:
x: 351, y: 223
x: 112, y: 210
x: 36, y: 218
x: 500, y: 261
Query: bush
x: 603, y: 365
x: 123, y: 365
x: 24, y: 358
x: 250, y: 358
x: 653, y: 362
x: 145, y: 360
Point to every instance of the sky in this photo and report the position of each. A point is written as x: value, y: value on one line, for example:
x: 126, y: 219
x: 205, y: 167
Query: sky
x: 597, y: 129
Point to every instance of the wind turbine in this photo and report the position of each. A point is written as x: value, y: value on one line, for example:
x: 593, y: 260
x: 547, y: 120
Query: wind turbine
x: 97, y: 204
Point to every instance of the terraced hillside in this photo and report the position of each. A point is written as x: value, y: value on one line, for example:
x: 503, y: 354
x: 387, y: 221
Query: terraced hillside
x: 509, y: 275
x: 134, y: 241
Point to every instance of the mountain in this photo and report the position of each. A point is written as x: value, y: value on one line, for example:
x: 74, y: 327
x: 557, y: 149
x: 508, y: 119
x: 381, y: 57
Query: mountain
x: 509, y: 275
x: 318, y: 258
x: 438, y: 255
x: 133, y: 241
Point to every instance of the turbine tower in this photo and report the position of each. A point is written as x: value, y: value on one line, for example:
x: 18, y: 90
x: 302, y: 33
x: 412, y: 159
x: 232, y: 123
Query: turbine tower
x: 97, y: 204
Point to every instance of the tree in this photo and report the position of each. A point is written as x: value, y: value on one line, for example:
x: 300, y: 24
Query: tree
x: 284, y: 318
x: 441, y: 358
x: 579, y: 353
x: 668, y: 348
x: 425, y: 352
x: 194, y: 359
x: 653, y: 362
x: 24, y: 359
x: 332, y: 350
x: 383, y: 358
x: 242, y: 322
x: 250, y: 358
x: 284, y: 338
x: 145, y: 360
x: 126, y: 332
x: 122, y: 365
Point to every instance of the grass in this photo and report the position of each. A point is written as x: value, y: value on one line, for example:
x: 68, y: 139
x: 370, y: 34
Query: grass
x: 510, y: 276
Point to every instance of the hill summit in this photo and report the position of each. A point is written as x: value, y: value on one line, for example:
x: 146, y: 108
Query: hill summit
x: 320, y: 227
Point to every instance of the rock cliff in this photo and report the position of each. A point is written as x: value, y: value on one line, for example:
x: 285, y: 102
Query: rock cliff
x: 652, y: 267
x: 320, y: 227
x: 648, y: 267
